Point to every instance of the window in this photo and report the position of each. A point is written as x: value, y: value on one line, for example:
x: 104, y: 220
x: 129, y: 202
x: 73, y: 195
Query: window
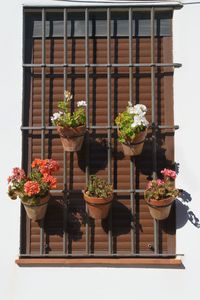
x: 107, y: 56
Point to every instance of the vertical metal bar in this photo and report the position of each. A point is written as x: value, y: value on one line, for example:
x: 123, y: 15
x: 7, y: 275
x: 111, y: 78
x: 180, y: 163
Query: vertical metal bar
x: 23, y: 134
x: 43, y: 117
x: 87, y: 115
x: 43, y: 84
x: 109, y: 114
x: 154, y: 154
x: 130, y: 55
x: 65, y: 211
x: 132, y: 161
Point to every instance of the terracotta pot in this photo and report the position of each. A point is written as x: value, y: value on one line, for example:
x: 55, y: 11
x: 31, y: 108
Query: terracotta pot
x: 37, y: 212
x: 98, y: 207
x: 135, y: 148
x: 160, y: 209
x: 71, y: 138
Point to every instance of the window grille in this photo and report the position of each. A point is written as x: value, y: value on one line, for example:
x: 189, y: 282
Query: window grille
x: 149, y: 26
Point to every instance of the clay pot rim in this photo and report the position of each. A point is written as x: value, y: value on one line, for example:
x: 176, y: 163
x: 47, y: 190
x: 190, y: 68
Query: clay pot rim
x: 160, y: 203
x: 96, y: 200
x: 69, y: 127
x: 43, y: 200
x: 67, y: 132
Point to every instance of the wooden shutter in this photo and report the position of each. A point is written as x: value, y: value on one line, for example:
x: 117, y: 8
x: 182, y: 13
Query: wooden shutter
x: 66, y: 227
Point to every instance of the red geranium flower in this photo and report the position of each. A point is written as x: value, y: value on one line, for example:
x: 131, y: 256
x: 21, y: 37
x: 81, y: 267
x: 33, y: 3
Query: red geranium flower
x: 52, y: 181
x: 45, y: 166
x: 31, y: 188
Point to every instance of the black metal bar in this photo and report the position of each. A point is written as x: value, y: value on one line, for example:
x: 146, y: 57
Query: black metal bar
x: 138, y: 6
x: 132, y: 161
x: 164, y: 65
x: 104, y: 255
x: 115, y: 191
x: 22, y: 155
x: 43, y: 117
x: 109, y: 114
x: 87, y: 173
x: 97, y: 127
x: 65, y: 210
x: 154, y: 155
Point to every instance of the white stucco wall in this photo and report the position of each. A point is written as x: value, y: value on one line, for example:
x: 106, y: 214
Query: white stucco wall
x: 101, y: 283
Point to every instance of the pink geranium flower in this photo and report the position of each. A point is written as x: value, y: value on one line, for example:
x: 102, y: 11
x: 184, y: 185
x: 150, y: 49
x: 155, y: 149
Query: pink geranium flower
x: 159, y: 181
x: 17, y: 175
x: 169, y: 173
x: 149, y: 184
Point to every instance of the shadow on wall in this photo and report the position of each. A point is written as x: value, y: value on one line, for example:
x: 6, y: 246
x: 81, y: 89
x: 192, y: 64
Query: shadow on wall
x: 183, y: 212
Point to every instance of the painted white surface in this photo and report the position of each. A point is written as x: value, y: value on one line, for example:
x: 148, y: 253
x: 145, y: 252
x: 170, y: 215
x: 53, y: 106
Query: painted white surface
x: 101, y: 283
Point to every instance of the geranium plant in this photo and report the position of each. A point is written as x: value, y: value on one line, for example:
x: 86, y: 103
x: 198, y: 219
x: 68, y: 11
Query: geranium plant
x: 131, y: 122
x: 99, y: 188
x: 98, y: 196
x: 70, y: 126
x: 132, y: 128
x: 36, y: 185
x: 65, y: 118
x: 162, y: 188
x: 160, y: 195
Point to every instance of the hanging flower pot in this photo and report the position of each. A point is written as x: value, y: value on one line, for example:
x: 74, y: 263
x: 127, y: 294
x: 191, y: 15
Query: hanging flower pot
x: 98, y: 196
x: 160, y: 209
x: 33, y: 190
x: 71, y: 138
x: 132, y: 129
x: 160, y: 195
x: 135, y: 147
x: 98, y: 207
x: 36, y: 212
x: 70, y: 126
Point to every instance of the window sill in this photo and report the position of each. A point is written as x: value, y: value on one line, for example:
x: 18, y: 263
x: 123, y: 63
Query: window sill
x: 100, y: 262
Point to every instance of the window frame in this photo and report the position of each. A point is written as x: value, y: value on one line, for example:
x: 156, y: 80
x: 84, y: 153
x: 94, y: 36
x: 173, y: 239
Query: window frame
x: 136, y: 259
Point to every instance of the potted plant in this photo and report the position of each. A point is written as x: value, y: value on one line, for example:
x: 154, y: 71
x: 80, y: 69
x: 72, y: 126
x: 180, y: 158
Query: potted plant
x: 33, y: 189
x: 132, y: 128
x: 70, y: 126
x: 160, y: 195
x: 98, y: 195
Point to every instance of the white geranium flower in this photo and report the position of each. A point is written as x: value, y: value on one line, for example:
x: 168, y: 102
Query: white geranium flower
x: 129, y: 104
x: 130, y: 110
x: 140, y: 109
x: 81, y: 103
x: 137, y: 120
x: 144, y: 121
x: 56, y: 116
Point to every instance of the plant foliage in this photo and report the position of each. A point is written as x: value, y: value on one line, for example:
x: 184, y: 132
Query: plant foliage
x: 131, y: 122
x: 162, y: 189
x: 99, y: 188
x: 65, y: 118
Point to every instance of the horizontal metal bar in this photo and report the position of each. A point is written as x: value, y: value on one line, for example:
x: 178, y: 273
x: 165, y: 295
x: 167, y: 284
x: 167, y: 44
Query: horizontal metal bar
x: 143, y: 6
x: 175, y: 65
x: 167, y: 127
x: 95, y: 127
x: 102, y: 255
x: 115, y: 191
x: 38, y: 127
